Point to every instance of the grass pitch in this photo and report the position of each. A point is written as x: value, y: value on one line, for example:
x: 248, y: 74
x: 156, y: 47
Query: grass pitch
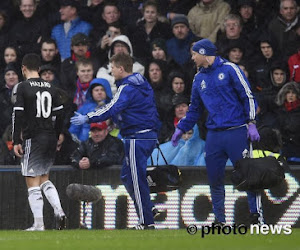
x: 150, y: 239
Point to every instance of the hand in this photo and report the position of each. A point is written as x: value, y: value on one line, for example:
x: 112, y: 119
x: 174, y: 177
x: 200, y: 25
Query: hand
x: 84, y: 163
x: 18, y: 150
x: 79, y: 119
x: 105, y: 41
x: 253, y: 134
x: 176, y: 137
x: 60, y: 141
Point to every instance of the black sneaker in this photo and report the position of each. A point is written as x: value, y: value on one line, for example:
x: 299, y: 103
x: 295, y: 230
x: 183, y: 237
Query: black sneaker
x: 60, y: 222
x: 155, y: 212
x: 256, y: 219
x: 143, y: 227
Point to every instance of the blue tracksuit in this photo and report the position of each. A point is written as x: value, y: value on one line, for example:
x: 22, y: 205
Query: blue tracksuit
x: 133, y: 109
x: 224, y: 91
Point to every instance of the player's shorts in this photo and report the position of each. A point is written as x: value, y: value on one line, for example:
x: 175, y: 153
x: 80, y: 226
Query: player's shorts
x: 39, y: 155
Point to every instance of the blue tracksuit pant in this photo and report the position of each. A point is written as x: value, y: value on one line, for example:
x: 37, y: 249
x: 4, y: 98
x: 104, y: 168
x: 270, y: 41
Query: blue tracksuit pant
x: 138, y: 149
x: 221, y: 145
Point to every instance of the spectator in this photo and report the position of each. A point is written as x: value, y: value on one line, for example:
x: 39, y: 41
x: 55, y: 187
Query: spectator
x: 267, y: 108
x: 103, y: 45
x: 234, y: 52
x: 233, y: 32
x: 27, y: 33
x: 11, y: 78
x: 288, y: 99
x: 120, y: 44
x: 131, y: 12
x: 189, y: 68
x: 159, y: 52
x: 11, y: 54
x: 268, y: 53
x: 48, y: 73
x: 179, y: 46
x: 180, y: 105
x: 294, y: 66
x: 246, y: 9
x: 72, y: 24
x: 99, y: 151
x: 282, y: 25
x: 85, y: 73
x: 79, y: 50
x: 4, y: 28
x: 110, y: 14
x: 98, y: 94
x: 206, y: 18
x: 91, y: 11
x: 148, y: 28
x: 50, y: 55
x: 156, y: 74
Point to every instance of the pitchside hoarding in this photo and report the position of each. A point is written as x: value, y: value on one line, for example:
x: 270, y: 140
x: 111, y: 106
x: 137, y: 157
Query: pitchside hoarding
x: 191, y: 204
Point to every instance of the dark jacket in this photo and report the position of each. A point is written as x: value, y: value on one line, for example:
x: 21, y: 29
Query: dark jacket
x: 25, y: 34
x: 6, y: 108
x: 141, y: 41
x: 103, y: 154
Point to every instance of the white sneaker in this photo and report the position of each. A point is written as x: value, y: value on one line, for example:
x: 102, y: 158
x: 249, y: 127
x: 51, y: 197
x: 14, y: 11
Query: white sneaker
x: 33, y: 228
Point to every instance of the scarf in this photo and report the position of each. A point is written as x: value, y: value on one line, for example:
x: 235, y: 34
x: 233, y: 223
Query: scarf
x: 176, y: 120
x: 87, y: 55
x: 81, y: 90
x: 289, y: 106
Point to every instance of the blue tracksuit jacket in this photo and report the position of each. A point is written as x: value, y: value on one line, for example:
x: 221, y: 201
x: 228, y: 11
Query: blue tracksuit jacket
x: 224, y: 91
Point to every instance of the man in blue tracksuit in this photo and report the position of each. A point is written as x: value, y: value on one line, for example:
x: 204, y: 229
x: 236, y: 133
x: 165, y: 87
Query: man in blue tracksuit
x: 222, y: 88
x: 133, y: 109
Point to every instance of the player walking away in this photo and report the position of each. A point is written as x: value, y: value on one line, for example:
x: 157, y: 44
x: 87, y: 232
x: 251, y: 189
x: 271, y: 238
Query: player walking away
x: 36, y: 125
x: 133, y: 109
x: 222, y: 88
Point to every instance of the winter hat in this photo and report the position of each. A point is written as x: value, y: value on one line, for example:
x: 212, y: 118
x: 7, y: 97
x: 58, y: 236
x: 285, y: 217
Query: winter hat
x: 47, y: 67
x: 250, y: 3
x: 11, y: 67
x: 180, y: 18
x: 205, y: 47
x: 160, y: 43
x: 79, y: 38
x: 179, y: 99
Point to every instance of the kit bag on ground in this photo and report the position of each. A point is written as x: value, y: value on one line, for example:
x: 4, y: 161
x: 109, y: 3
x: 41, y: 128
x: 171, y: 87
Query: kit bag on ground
x: 163, y: 178
x: 256, y: 174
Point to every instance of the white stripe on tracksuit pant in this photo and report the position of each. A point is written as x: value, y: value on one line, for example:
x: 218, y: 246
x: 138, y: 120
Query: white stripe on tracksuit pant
x: 133, y: 175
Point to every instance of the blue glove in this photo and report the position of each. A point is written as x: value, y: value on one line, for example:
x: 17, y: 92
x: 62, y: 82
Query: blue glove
x: 79, y: 119
x: 176, y: 137
x: 253, y: 134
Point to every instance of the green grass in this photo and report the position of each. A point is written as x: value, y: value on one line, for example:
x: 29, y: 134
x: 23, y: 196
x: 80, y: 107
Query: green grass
x: 156, y: 239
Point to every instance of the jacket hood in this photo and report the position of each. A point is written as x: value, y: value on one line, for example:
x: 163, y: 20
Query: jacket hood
x: 136, y: 80
x: 105, y: 84
x: 123, y: 39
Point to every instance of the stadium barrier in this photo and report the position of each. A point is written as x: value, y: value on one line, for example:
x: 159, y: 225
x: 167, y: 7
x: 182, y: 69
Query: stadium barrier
x: 191, y: 204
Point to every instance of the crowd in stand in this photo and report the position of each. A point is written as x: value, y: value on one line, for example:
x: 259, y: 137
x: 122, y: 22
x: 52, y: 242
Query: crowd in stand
x: 76, y: 39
